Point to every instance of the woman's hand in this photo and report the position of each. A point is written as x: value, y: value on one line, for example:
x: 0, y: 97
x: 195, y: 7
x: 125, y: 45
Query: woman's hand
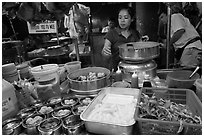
x: 107, y: 48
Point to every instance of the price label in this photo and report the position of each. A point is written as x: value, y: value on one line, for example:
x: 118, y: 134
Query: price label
x: 45, y: 27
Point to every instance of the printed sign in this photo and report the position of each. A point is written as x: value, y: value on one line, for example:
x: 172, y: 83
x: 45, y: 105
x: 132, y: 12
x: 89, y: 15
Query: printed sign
x: 45, y: 27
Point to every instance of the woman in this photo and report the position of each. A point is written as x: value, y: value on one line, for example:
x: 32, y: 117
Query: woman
x: 122, y: 34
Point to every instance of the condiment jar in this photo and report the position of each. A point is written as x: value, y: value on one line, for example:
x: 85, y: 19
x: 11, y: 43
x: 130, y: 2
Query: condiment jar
x: 134, y: 80
x: 118, y: 75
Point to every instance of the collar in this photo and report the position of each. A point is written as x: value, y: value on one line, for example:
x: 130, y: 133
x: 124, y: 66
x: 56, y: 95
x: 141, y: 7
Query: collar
x: 118, y: 30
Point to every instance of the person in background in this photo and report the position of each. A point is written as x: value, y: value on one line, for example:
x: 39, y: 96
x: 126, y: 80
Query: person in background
x: 111, y: 25
x: 12, y: 26
x: 124, y: 33
x: 184, y: 38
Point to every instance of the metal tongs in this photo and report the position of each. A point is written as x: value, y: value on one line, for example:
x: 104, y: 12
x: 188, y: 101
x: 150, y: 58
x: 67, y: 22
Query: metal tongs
x: 197, y: 68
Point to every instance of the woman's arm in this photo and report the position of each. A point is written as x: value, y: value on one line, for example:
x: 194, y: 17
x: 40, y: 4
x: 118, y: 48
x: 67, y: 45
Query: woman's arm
x: 106, y: 51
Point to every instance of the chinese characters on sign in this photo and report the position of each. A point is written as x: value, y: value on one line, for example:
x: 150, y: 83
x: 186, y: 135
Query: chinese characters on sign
x: 45, y: 27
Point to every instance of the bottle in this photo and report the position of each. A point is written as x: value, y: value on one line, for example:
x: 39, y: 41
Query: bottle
x: 134, y: 80
x: 118, y: 75
x: 147, y: 82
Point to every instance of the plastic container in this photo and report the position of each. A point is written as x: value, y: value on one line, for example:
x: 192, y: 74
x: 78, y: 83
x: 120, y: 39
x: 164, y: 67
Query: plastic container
x: 198, y: 84
x: 45, y: 72
x: 180, y: 79
x: 11, y: 77
x: 72, y: 66
x: 109, y: 95
x: 159, y: 127
x: 9, y: 68
x: 48, y: 89
x: 24, y: 70
x: 9, y: 101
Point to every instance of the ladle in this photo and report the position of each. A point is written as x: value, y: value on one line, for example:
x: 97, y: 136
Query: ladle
x: 197, y: 68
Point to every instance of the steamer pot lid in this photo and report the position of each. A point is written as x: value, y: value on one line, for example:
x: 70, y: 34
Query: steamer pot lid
x: 141, y: 45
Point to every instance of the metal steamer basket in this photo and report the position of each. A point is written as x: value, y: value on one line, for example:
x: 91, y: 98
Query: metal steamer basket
x: 91, y: 86
x: 145, y: 68
x: 139, y: 51
x: 138, y: 57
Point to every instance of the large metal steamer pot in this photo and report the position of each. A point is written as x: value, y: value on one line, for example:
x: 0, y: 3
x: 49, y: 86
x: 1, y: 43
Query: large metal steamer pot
x: 145, y: 68
x: 139, y: 51
x: 88, y: 87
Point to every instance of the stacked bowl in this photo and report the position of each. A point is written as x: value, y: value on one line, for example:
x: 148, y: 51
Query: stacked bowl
x: 9, y: 72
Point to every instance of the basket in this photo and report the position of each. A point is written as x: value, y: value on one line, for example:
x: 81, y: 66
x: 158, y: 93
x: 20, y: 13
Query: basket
x: 179, y: 96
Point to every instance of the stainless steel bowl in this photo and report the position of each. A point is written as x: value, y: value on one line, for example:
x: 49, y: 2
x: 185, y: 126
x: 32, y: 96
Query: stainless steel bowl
x: 73, y: 125
x: 55, y: 101
x: 12, y: 126
x: 26, y: 112
x: 139, y: 51
x: 78, y: 109
x: 70, y: 104
x: 86, y: 100
x: 51, y: 126
x: 88, y: 86
x: 32, y: 129
x: 57, y: 114
x: 47, y: 112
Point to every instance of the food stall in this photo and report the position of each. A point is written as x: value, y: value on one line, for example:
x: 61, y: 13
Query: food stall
x: 71, y: 97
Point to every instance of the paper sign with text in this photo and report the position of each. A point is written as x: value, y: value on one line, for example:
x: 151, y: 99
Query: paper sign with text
x: 45, y: 27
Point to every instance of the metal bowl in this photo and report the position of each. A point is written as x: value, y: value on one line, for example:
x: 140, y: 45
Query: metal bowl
x: 73, y: 125
x: 180, y: 79
x: 57, y: 114
x: 31, y: 129
x: 86, y: 100
x: 139, y: 51
x: 46, y: 110
x: 78, y: 109
x: 70, y: 101
x: 50, y: 126
x: 84, y: 87
x: 26, y: 112
x: 54, y: 101
x: 12, y: 126
x: 37, y: 104
x: 121, y: 84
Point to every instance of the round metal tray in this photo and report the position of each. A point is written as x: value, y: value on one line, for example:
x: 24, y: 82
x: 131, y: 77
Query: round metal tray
x: 88, y: 87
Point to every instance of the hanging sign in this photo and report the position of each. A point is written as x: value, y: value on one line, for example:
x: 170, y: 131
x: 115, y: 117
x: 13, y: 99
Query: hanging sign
x: 45, y: 27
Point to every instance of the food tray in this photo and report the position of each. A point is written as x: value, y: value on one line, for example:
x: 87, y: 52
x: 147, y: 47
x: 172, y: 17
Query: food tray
x: 109, y: 128
x: 179, y: 96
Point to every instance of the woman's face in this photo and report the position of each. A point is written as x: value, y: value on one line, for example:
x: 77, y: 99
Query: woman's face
x: 124, y: 19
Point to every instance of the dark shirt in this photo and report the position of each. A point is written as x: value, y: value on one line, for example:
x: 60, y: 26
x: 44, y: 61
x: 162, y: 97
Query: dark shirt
x: 117, y: 39
x: 19, y: 26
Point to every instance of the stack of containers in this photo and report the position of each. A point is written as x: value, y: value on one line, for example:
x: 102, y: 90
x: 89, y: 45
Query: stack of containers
x: 24, y: 70
x: 9, y: 72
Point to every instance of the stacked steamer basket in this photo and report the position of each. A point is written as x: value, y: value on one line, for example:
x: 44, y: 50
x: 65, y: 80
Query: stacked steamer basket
x: 138, y: 57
